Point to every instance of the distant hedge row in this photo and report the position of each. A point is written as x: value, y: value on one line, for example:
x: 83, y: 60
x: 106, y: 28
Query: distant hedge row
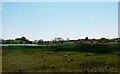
x: 96, y: 48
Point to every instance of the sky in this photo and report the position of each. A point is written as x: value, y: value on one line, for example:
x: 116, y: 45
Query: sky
x: 0, y: 20
x: 59, y: 0
x: 119, y: 20
x: 46, y: 20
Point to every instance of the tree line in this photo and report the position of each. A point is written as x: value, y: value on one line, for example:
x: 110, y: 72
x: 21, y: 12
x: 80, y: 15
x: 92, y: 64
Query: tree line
x: 24, y: 40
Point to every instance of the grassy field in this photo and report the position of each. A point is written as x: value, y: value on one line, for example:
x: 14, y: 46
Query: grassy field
x: 62, y: 58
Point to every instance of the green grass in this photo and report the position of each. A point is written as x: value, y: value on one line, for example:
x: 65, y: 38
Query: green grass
x: 66, y: 59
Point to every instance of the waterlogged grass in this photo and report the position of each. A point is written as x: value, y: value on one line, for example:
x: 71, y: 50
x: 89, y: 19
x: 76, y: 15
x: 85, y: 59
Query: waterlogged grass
x: 93, y: 48
x: 68, y: 59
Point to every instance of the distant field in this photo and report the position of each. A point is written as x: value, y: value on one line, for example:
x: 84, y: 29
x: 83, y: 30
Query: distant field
x: 61, y: 58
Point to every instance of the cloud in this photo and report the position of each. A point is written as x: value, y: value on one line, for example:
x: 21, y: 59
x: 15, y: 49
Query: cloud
x: 46, y: 10
x: 92, y: 17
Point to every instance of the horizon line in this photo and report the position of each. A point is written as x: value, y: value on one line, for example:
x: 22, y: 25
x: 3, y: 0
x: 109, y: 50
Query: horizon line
x: 60, y: 37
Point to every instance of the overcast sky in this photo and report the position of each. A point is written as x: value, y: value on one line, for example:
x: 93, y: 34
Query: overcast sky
x: 46, y: 20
